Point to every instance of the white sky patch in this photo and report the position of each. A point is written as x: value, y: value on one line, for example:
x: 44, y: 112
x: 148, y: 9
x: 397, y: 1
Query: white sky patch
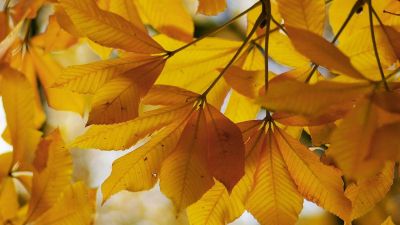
x: 4, y: 146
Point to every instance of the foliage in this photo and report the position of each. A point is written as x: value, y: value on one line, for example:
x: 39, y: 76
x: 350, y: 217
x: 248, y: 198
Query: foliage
x: 219, y: 129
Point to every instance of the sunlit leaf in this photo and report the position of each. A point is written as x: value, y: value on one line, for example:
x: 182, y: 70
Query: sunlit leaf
x: 366, y: 193
x: 52, y: 174
x: 211, y: 7
x: 19, y: 104
x: 184, y: 176
x: 74, y: 207
x: 321, y: 52
x: 306, y: 15
x: 108, y: 29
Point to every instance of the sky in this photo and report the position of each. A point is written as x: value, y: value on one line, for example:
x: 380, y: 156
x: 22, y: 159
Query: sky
x: 4, y: 147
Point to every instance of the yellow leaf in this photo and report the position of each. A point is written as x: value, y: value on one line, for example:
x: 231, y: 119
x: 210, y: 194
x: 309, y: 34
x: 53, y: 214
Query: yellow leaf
x: 384, y: 142
x: 358, y: 47
x: 57, y: 98
x: 128, y: 10
x: 316, y: 181
x: 321, y: 52
x: 352, y: 154
x: 282, y: 51
x: 196, y: 67
x: 6, y: 43
x: 218, y: 93
x: 225, y: 148
x: 50, y: 181
x: 364, y: 194
x: 320, y: 134
x: 184, y: 176
x: 388, y: 221
x: 251, y: 136
x: 168, y: 95
x: 19, y: 105
x: 339, y: 10
x: 73, y: 207
x: 103, y: 52
x: 216, y: 207
x: 241, y: 108
x: 142, y: 164
x: 124, y: 135
x: 8, y: 200
x: 247, y: 83
x: 302, y: 73
x: 23, y: 63
x: 88, y: 78
x: 65, y: 22
x: 273, y: 197
x: 54, y: 38
x: 8, y: 196
x: 6, y: 162
x: 118, y: 99
x: 307, y: 15
x: 108, y: 29
x: 389, y: 19
x: 175, y: 21
x: 323, y: 99
x: 393, y: 36
x: 211, y: 7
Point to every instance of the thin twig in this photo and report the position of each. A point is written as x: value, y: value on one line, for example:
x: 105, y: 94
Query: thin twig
x: 268, y: 16
x: 278, y: 24
x: 353, y: 10
x: 391, y: 13
x: 264, y: 34
x: 171, y: 53
x: 240, y: 49
x: 378, y: 60
x: 393, y: 73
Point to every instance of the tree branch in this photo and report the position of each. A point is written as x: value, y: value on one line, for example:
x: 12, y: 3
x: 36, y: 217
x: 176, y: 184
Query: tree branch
x: 378, y: 60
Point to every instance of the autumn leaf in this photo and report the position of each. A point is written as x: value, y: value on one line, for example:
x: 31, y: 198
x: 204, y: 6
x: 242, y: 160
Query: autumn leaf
x: 215, y: 207
x: 247, y: 83
x: 276, y: 167
x: 178, y: 25
x: 312, y: 85
x: 52, y: 174
x: 18, y: 97
x: 353, y: 155
x: 126, y: 134
x: 184, y: 176
x: 366, y: 193
x: 388, y: 221
x: 292, y: 96
x: 55, y: 200
x: 271, y: 178
x: 8, y: 194
x: 111, y: 30
x: 360, y: 50
x: 74, y: 206
x: 188, y: 157
x: 240, y: 108
x: 143, y: 163
x: 306, y: 15
x: 311, y: 45
x: 6, y: 43
x: 48, y: 70
x: 210, y: 7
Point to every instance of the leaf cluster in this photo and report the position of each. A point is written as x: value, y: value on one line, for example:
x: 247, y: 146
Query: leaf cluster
x: 222, y: 130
